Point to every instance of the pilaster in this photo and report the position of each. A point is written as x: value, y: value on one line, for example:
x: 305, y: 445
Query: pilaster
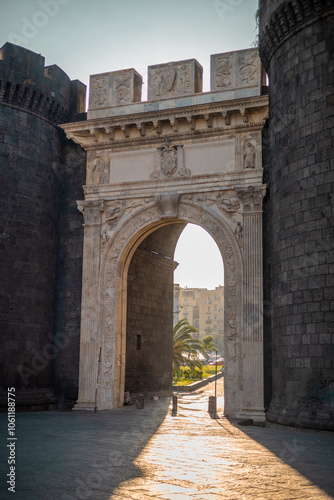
x: 89, y: 347
x: 252, y: 335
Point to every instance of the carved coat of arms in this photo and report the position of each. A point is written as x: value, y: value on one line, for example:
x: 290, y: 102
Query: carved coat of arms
x: 168, y: 159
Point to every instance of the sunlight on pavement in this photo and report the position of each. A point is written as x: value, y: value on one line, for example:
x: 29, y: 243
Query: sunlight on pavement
x: 192, y: 456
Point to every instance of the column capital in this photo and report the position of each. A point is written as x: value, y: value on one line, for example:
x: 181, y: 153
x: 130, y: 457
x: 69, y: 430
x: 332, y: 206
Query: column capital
x: 92, y: 211
x: 251, y: 198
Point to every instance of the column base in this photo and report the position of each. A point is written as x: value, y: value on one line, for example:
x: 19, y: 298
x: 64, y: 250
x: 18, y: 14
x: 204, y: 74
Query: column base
x: 84, y: 406
x: 258, y: 415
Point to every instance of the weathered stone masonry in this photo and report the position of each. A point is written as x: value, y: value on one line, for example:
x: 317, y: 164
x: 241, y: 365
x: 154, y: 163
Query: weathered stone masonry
x: 40, y: 172
x: 296, y: 48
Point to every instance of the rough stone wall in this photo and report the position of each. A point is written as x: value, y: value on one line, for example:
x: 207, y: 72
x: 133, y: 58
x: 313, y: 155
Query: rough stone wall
x: 296, y: 47
x: 29, y: 228
x: 267, y: 302
x: 33, y: 100
x: 69, y: 273
x: 150, y: 313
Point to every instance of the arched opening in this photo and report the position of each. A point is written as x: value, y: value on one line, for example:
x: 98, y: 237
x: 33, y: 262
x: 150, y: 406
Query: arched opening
x: 199, y: 283
x: 149, y: 315
x: 150, y: 309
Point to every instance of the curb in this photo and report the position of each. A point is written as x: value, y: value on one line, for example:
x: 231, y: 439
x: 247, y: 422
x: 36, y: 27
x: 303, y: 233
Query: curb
x: 196, y: 385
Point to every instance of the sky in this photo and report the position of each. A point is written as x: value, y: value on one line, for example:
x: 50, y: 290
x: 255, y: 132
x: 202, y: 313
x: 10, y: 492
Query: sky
x: 86, y: 37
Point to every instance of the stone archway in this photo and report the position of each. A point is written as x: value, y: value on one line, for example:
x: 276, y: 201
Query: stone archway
x: 244, y: 358
x: 181, y: 157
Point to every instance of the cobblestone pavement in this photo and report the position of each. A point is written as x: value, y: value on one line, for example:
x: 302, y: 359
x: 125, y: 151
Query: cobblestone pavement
x: 145, y: 454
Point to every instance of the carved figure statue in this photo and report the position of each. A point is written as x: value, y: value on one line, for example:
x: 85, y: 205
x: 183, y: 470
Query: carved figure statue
x: 98, y: 171
x: 238, y: 231
x: 249, y: 156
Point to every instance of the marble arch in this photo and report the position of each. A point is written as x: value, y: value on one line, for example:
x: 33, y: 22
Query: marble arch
x: 183, y: 156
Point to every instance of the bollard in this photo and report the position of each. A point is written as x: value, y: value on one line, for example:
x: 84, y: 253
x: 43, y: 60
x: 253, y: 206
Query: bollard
x: 212, y: 406
x: 174, y: 409
x: 139, y: 402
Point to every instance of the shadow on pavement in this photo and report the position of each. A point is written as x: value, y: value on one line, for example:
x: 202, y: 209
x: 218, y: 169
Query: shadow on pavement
x: 309, y: 452
x: 77, y: 455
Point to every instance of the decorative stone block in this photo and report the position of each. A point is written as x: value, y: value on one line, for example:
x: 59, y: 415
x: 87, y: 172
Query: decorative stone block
x: 174, y: 79
x: 236, y: 70
x: 115, y: 88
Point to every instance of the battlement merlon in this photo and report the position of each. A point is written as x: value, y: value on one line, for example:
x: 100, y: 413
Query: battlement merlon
x: 234, y: 75
x: 25, y: 82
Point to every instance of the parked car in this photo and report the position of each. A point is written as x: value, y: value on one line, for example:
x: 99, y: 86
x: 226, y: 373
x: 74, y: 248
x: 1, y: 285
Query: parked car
x: 219, y: 361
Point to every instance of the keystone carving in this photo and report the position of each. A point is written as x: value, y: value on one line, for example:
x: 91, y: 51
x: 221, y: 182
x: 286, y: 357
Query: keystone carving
x: 168, y: 205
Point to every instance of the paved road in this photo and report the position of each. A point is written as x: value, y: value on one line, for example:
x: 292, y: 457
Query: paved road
x: 145, y: 454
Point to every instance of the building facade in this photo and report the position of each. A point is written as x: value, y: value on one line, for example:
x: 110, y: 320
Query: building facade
x: 204, y: 309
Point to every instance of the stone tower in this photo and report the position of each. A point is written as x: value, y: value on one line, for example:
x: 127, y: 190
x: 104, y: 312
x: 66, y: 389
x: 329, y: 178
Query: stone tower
x: 40, y: 228
x: 296, y: 48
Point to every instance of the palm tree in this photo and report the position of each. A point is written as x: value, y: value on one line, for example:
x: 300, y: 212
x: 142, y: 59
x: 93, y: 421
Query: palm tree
x: 186, y: 349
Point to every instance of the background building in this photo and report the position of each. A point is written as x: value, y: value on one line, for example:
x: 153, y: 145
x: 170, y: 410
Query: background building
x: 204, y: 309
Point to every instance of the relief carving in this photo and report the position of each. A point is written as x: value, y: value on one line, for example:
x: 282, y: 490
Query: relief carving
x: 122, y: 85
x: 97, y: 167
x: 224, y: 71
x: 229, y: 206
x: 163, y: 80
x: 113, y: 216
x: 238, y: 233
x: 184, y: 80
x: 99, y: 92
x: 249, y: 155
x: 248, y: 68
x: 169, y: 161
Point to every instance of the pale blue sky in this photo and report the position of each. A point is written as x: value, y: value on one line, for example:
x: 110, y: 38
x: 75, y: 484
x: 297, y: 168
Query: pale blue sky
x: 86, y: 37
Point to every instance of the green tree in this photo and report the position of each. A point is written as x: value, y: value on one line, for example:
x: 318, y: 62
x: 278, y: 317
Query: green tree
x: 186, y: 349
x: 209, y: 343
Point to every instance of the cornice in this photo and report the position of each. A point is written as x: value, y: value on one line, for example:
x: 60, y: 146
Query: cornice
x: 186, y: 123
x: 286, y: 20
